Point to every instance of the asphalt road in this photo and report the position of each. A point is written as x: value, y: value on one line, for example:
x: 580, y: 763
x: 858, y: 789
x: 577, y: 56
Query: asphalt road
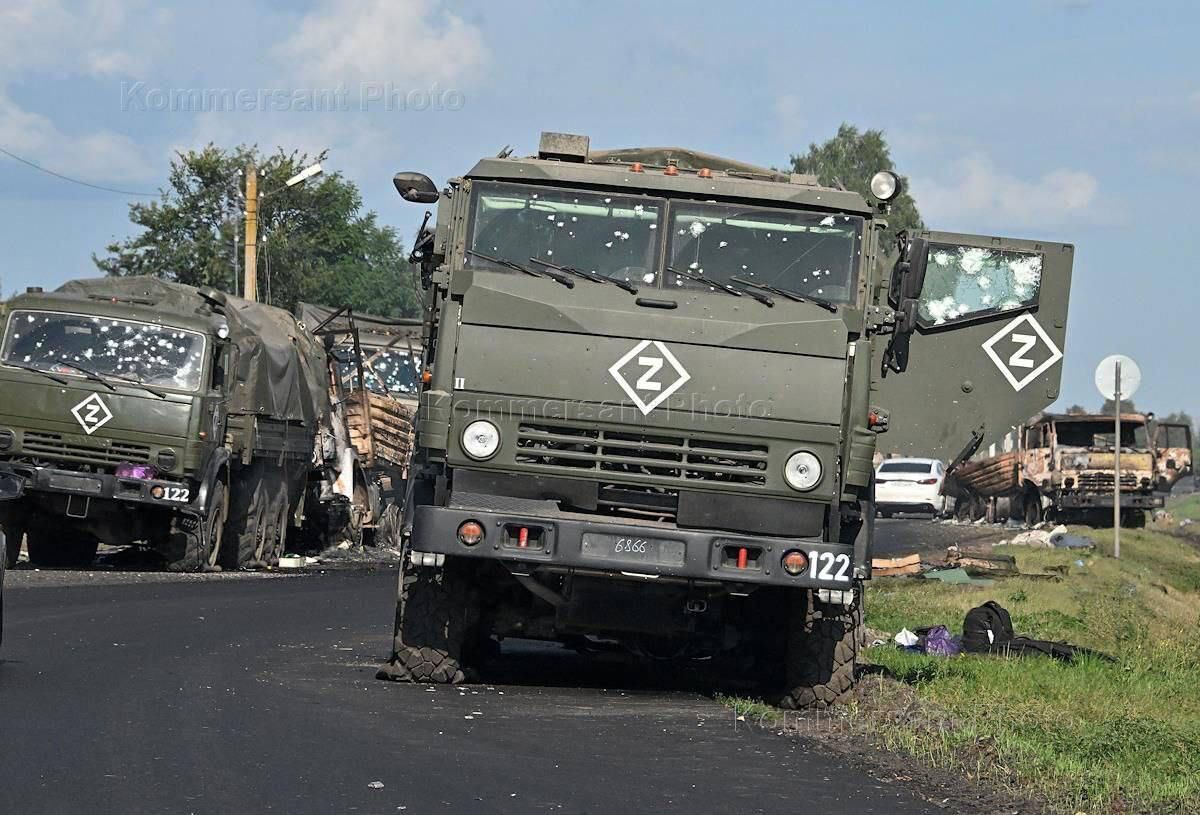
x: 257, y: 694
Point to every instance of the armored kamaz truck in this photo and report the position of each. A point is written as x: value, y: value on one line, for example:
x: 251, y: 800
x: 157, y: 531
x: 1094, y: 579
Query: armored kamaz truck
x: 139, y: 410
x: 654, y: 384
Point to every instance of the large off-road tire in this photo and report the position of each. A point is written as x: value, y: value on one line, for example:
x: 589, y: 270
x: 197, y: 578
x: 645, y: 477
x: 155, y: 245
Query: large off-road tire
x: 433, y: 624
x: 1031, y: 507
x: 60, y: 548
x: 195, y: 545
x: 821, y: 651
x: 13, y: 536
x: 252, y: 517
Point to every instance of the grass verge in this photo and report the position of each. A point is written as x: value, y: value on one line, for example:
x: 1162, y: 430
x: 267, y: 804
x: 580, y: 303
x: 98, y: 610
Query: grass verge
x: 1088, y: 736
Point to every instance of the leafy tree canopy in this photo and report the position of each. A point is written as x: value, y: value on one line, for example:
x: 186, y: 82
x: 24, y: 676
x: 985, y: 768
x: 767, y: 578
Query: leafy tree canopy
x: 315, y: 242
x: 850, y: 159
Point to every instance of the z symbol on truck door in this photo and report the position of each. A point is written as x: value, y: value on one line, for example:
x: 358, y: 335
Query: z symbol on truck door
x: 92, y: 414
x: 1022, y: 350
x: 654, y: 372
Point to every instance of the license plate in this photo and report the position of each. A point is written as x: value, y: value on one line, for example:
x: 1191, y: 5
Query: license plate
x: 633, y: 549
x: 75, y: 483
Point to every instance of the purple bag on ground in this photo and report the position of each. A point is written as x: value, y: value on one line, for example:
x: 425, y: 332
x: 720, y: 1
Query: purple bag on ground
x: 940, y: 642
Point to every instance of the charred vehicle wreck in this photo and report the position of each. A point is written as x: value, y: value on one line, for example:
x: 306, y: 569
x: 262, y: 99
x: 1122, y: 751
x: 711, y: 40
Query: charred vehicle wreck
x: 655, y: 387
x: 1062, y: 468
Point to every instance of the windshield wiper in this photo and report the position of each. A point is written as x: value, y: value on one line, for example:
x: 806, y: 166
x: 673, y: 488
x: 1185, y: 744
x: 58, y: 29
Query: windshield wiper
x: 96, y: 377
x: 88, y: 373
x: 791, y: 295
x: 34, y: 370
x: 592, y: 276
x: 517, y: 267
x: 725, y: 287
x: 142, y: 385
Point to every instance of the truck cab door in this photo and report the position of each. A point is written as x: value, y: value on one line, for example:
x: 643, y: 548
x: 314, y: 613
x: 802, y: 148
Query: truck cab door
x: 988, y: 343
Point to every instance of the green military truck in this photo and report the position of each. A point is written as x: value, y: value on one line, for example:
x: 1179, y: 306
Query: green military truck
x: 139, y: 410
x: 656, y: 383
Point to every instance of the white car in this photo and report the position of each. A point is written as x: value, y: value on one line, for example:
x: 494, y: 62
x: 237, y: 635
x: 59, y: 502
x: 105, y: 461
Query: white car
x: 910, y: 485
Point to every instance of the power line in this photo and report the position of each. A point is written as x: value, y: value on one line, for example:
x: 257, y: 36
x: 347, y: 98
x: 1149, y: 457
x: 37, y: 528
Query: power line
x: 39, y: 168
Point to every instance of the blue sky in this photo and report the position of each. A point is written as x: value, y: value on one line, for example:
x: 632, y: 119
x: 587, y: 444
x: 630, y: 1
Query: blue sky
x: 1074, y: 121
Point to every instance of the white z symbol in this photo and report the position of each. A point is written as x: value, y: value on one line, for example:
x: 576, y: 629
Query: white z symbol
x: 92, y: 414
x: 652, y: 366
x: 1018, y: 358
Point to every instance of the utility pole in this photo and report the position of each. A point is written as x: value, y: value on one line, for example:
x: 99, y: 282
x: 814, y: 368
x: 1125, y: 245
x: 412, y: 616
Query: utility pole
x: 1117, y: 463
x: 250, y: 289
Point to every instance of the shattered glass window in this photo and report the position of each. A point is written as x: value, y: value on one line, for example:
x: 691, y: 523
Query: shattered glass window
x: 963, y: 282
x: 386, y: 370
x: 809, y: 253
x: 610, y: 235
x: 119, y: 349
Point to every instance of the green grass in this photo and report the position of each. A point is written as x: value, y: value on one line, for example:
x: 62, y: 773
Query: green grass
x: 1187, y: 506
x: 1088, y: 736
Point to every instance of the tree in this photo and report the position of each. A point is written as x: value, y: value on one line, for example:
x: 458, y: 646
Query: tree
x: 1077, y: 410
x: 850, y: 159
x: 1127, y: 406
x: 315, y: 243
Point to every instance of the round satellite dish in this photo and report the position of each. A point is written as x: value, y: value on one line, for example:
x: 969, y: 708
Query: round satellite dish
x: 1106, y: 377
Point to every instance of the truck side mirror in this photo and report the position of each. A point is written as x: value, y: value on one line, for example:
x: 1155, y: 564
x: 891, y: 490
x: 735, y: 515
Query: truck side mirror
x: 416, y: 187
x: 908, y: 275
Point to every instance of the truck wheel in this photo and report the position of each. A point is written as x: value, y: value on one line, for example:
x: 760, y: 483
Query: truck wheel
x: 252, y: 520
x: 13, y: 535
x: 196, y: 546
x: 278, y: 528
x: 821, y: 650
x: 432, y: 619
x: 1032, y: 506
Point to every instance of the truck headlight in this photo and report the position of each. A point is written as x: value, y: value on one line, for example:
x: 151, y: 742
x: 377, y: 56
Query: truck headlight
x: 885, y: 185
x: 802, y: 471
x: 481, y: 440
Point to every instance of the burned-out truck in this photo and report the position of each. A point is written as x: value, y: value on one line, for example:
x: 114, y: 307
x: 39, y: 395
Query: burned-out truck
x: 375, y: 366
x: 656, y: 384
x: 140, y: 410
x: 1062, y: 467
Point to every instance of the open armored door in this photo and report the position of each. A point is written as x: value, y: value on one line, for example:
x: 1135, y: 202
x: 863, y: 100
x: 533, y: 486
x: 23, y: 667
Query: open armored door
x: 987, y: 351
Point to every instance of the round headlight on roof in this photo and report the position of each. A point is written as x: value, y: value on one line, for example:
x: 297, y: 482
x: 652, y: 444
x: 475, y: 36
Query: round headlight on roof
x: 885, y: 185
x: 802, y: 471
x: 481, y: 440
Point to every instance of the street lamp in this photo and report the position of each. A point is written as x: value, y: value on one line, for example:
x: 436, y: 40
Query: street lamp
x: 252, y: 196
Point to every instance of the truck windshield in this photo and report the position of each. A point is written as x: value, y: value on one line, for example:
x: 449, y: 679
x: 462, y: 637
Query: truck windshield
x: 807, y: 253
x: 611, y: 235
x: 386, y: 370
x: 1099, y: 434
x: 142, y: 352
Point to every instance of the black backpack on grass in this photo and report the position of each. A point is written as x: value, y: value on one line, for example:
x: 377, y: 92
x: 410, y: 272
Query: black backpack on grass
x: 988, y: 629
x: 986, y: 626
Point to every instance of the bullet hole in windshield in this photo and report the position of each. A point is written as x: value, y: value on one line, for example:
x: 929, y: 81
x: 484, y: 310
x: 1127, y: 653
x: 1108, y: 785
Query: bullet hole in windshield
x: 962, y: 281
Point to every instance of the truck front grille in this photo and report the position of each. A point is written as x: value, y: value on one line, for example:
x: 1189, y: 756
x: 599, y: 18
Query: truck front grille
x: 52, y: 445
x: 1104, y: 481
x: 612, y: 454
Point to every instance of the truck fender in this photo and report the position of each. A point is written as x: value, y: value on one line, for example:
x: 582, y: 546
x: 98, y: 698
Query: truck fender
x: 217, y: 463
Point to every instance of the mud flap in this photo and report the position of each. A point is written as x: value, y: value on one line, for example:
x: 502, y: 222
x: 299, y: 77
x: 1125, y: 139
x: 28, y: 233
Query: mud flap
x: 988, y: 346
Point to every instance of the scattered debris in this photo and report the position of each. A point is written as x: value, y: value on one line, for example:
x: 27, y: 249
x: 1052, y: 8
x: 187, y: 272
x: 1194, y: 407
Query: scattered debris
x: 1033, y: 537
x: 889, y: 567
x: 291, y: 562
x: 376, y: 785
x: 906, y: 639
x: 977, y: 564
x: 957, y: 576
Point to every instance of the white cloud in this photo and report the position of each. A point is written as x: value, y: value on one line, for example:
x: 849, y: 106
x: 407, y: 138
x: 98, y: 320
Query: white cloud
x: 97, y: 156
x: 405, y: 42
x: 974, y: 189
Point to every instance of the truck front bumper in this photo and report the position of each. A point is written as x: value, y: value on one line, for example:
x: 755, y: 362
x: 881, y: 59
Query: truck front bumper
x: 590, y: 545
x: 1129, y: 500
x: 174, y: 495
